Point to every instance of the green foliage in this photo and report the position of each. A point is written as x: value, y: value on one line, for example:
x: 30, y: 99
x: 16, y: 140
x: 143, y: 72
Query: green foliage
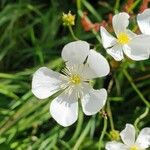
x: 32, y: 35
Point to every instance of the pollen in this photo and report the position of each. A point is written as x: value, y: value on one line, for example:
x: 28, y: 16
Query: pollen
x: 75, y: 79
x: 123, y: 38
x: 134, y: 147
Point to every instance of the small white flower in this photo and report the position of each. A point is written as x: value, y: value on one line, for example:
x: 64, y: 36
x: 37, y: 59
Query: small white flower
x: 143, y: 20
x: 128, y: 137
x: 136, y: 47
x: 82, y: 64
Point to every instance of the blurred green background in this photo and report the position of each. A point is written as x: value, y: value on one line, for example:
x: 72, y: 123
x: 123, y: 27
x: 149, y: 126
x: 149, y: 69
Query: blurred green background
x: 31, y: 36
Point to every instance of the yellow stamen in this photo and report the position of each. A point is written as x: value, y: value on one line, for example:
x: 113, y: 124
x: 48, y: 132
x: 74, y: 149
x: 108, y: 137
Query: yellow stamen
x: 123, y: 38
x: 75, y: 79
x: 134, y: 147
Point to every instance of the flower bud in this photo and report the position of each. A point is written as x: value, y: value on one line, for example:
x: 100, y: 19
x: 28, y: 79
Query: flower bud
x: 114, y: 135
x: 68, y: 19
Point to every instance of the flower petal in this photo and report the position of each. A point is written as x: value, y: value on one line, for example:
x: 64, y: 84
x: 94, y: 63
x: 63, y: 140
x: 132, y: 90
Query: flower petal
x: 76, y: 52
x: 116, y: 52
x: 107, y: 39
x: 120, y: 22
x: 98, y: 64
x: 64, y: 109
x: 87, y: 73
x: 144, y: 138
x: 143, y: 20
x: 138, y: 48
x: 115, y: 146
x: 131, y: 34
x: 93, y: 101
x: 128, y: 135
x: 46, y: 82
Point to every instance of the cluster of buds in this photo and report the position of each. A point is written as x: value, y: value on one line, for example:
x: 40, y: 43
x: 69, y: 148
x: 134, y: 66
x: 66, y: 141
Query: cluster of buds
x: 68, y: 19
x: 114, y: 135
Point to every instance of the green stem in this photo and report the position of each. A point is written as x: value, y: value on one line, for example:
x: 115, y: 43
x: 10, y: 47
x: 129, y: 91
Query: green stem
x: 109, y: 112
x: 97, y: 36
x: 143, y: 115
x: 78, y: 4
x: 78, y: 128
x: 116, y: 6
x: 103, y: 133
x: 134, y: 5
x: 72, y: 33
x: 135, y: 88
x: 82, y: 136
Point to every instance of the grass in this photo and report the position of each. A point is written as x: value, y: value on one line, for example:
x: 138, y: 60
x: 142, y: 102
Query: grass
x: 31, y: 36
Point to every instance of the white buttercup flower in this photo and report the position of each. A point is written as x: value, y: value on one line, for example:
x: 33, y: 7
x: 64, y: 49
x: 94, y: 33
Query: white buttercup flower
x: 136, y: 47
x: 143, y: 20
x: 130, y: 142
x: 82, y: 64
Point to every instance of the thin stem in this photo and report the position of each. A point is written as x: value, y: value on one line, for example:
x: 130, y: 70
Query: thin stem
x: 72, y: 33
x: 82, y: 136
x: 78, y: 4
x: 103, y: 133
x: 109, y: 112
x: 116, y: 6
x: 97, y: 36
x: 78, y: 128
x: 143, y: 115
x: 143, y: 77
x: 135, y: 88
x: 134, y: 5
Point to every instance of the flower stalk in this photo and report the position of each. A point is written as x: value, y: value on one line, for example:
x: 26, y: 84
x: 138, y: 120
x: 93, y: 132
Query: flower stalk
x: 103, y: 133
x: 72, y: 33
x: 135, y: 88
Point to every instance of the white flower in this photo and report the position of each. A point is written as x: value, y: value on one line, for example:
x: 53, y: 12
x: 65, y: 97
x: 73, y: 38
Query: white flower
x: 82, y: 64
x: 143, y: 20
x: 136, y: 47
x: 128, y: 137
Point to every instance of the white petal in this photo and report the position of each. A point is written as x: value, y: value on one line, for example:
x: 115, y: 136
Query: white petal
x: 115, y: 146
x: 143, y: 20
x: 131, y: 34
x: 93, y: 101
x: 116, y: 52
x: 46, y: 82
x: 98, y: 64
x: 64, y: 109
x: 144, y: 138
x: 76, y: 52
x: 138, y: 48
x: 87, y: 73
x: 128, y: 135
x: 120, y: 22
x: 107, y: 39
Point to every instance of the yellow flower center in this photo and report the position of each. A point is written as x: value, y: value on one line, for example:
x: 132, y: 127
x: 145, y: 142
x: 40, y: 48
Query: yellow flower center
x: 75, y: 79
x: 123, y: 38
x: 134, y: 147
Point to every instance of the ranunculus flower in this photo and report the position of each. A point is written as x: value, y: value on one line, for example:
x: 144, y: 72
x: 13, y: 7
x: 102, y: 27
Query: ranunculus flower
x: 129, y: 140
x: 136, y: 47
x: 82, y: 65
